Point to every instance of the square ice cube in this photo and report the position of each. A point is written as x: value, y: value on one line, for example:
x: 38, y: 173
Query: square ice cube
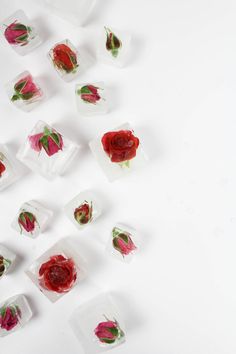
x: 20, y: 33
x: 9, y: 168
x: 113, y: 46
x: 118, y: 152
x: 91, y: 98
x: 31, y: 219
x: 123, y: 242
x: 58, y: 270
x: 75, y: 11
x: 14, y: 314
x: 46, y: 151
x: 83, y: 209
x: 24, y: 92
x: 66, y: 60
x: 7, y: 258
x: 98, y: 324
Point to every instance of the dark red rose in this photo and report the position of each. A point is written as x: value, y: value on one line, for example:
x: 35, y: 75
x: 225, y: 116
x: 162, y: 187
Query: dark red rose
x: 120, y: 145
x: 2, y: 168
x: 27, y: 220
x: 64, y: 58
x: 83, y: 214
x: 58, y: 274
x: 113, y: 43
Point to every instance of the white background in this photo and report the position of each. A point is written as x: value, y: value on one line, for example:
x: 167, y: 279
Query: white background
x: 178, y: 91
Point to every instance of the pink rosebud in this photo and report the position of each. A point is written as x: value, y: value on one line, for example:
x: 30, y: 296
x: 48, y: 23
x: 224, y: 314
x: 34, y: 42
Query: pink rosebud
x: 89, y: 94
x: 25, y: 89
x: 9, y: 317
x: 27, y: 220
x: 108, y: 332
x: 17, y: 33
x: 49, y: 140
x: 122, y: 242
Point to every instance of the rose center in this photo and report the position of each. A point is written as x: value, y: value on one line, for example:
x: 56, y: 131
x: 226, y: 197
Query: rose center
x: 58, y: 274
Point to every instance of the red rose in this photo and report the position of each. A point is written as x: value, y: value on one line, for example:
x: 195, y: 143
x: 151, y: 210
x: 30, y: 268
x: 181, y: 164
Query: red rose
x: 9, y: 317
x: 25, y: 89
x: 58, y: 274
x: 120, y: 145
x: 64, y: 58
x: 108, y: 331
x: 83, y: 214
x: 122, y: 242
x: 2, y: 168
x: 89, y: 94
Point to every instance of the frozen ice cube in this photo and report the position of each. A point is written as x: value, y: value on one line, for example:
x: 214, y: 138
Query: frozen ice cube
x: 9, y: 168
x: 20, y: 33
x: 113, y: 46
x: 91, y: 322
x: 118, y: 152
x: 31, y: 219
x: 24, y: 92
x: 91, y: 98
x: 83, y: 209
x: 14, y: 314
x: 7, y: 258
x: 123, y: 242
x: 46, y: 151
x: 58, y: 270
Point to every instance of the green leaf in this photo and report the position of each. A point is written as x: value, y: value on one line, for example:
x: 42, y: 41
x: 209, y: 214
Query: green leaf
x: 15, y: 98
x: 20, y: 86
x: 55, y: 138
x: 46, y: 131
x: 22, y: 38
x: 27, y: 96
x: 44, y: 141
x: 113, y: 331
x: 108, y: 341
x: 124, y: 237
x: 114, y: 52
x: 85, y: 89
x: 20, y: 27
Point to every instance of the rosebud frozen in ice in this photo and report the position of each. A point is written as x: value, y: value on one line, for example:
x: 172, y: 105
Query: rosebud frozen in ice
x: 17, y: 33
x: 113, y: 44
x: 89, y: 94
x: 2, y: 168
x: 108, y: 332
x: 50, y: 140
x: 83, y: 214
x: 4, y: 264
x: 122, y: 242
x: 27, y: 220
x: 64, y: 58
x: 9, y: 317
x: 25, y: 89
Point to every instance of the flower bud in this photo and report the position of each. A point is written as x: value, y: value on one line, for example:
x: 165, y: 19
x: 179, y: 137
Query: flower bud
x: 108, y: 332
x: 25, y: 89
x: 113, y: 43
x: 50, y: 140
x: 64, y: 58
x: 83, y: 214
x: 17, y: 34
x: 89, y: 94
x: 122, y: 242
x: 27, y: 220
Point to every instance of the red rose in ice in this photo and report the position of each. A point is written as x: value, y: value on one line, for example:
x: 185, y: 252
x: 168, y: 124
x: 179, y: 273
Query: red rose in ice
x: 120, y: 145
x: 25, y: 89
x: 83, y: 214
x: 113, y: 44
x: 122, y: 242
x: 27, y: 220
x: 50, y: 140
x: 9, y: 317
x: 58, y: 274
x: 89, y: 94
x: 2, y: 168
x: 17, y: 33
x: 64, y: 58
x: 108, y: 332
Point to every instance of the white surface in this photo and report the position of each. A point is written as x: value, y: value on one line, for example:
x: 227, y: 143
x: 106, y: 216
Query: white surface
x: 178, y: 91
